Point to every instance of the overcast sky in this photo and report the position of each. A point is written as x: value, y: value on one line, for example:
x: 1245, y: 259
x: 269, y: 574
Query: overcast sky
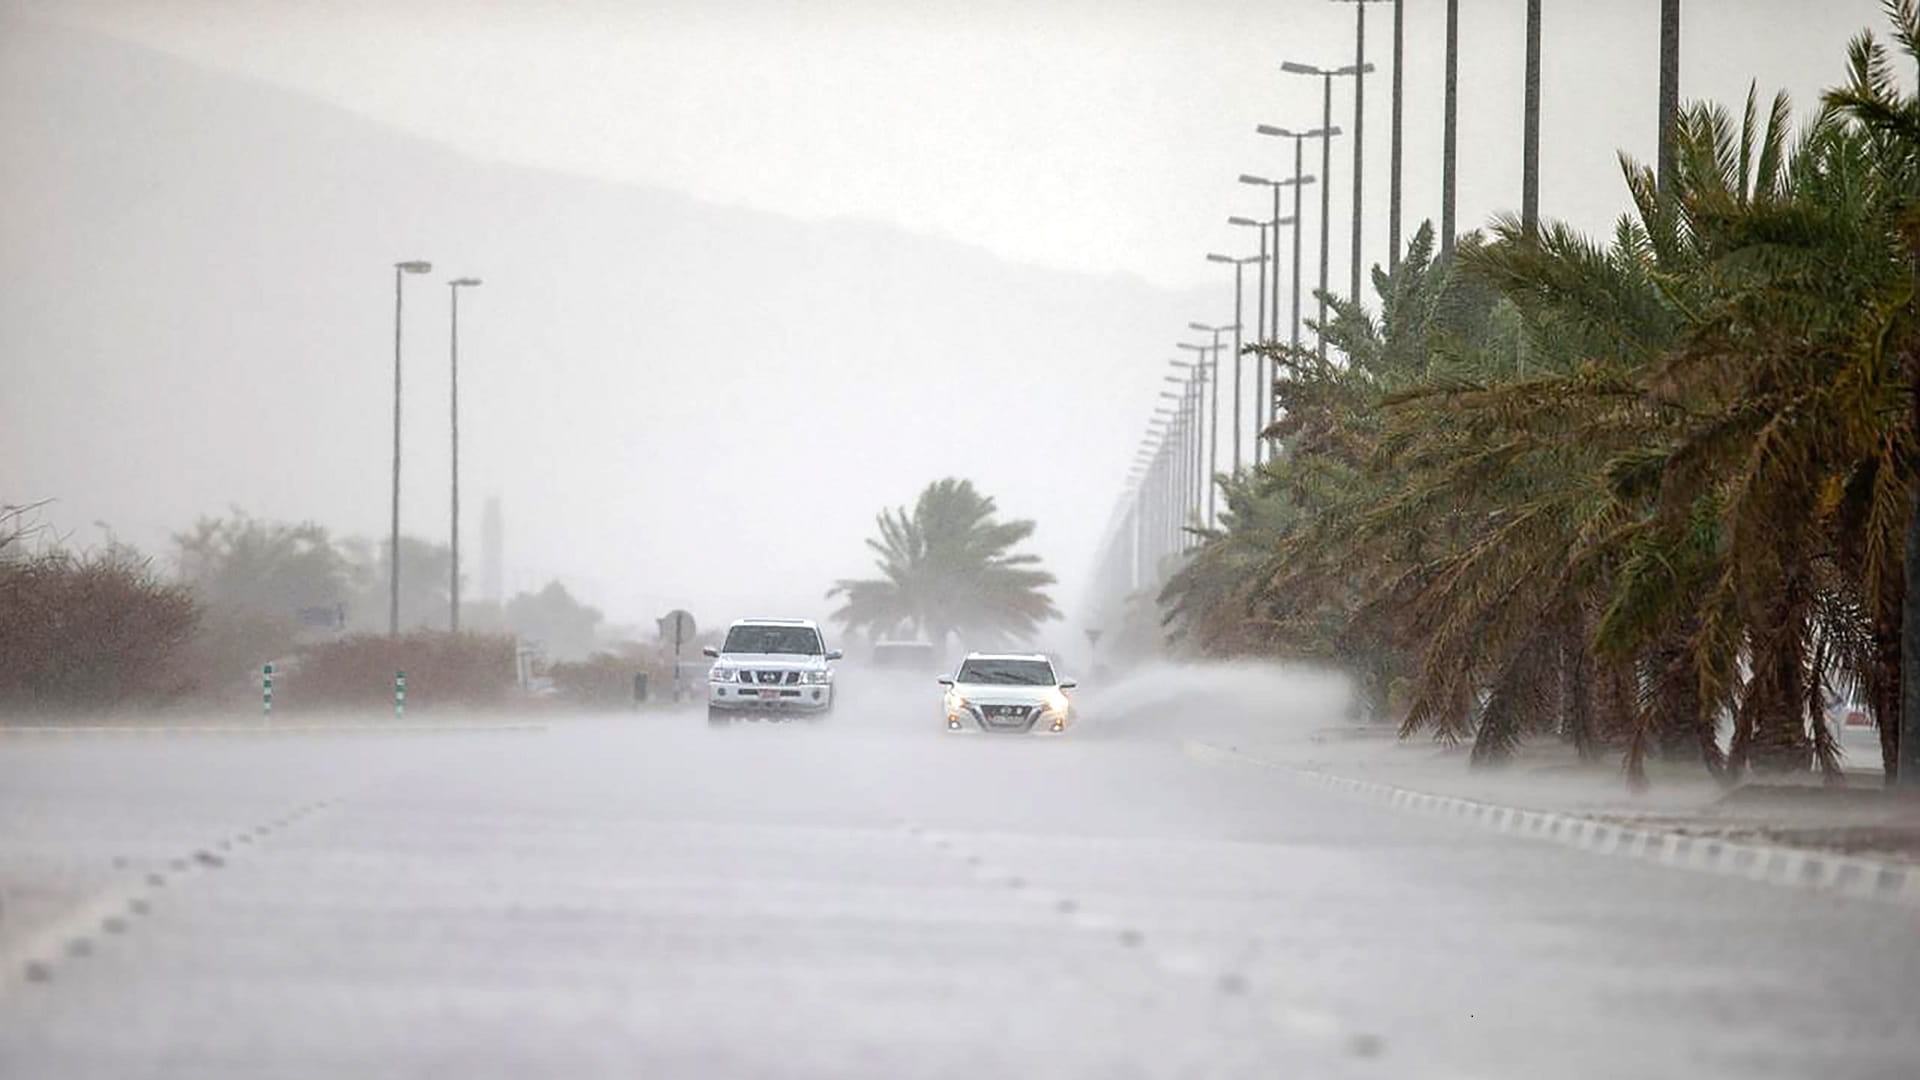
x: 1077, y: 137
x: 1091, y: 134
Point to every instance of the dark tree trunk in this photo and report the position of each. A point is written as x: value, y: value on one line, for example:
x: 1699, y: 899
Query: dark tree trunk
x: 1676, y: 698
x: 1883, y: 684
x: 1780, y: 743
x: 1900, y: 740
x: 1577, y: 689
x: 1614, y: 703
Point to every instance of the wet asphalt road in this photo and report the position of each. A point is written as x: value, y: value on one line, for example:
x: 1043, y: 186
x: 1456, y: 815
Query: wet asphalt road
x: 643, y: 897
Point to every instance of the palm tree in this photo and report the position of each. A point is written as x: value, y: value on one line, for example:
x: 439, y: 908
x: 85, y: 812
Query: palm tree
x: 1627, y: 492
x: 1873, y: 100
x: 948, y: 567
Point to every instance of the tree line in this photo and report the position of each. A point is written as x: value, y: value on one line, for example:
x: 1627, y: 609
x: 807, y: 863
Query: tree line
x: 96, y: 629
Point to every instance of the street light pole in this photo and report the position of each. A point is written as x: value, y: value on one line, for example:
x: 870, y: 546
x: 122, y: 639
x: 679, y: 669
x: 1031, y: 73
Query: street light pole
x: 1530, y: 135
x: 1326, y: 203
x: 453, y: 583
x: 1300, y: 179
x: 1393, y: 168
x: 400, y: 269
x: 1195, y: 414
x: 1211, y: 356
x: 1359, y: 70
x: 1669, y: 88
x: 1263, y: 394
x: 1450, y: 130
x: 1239, y: 306
x: 1326, y: 76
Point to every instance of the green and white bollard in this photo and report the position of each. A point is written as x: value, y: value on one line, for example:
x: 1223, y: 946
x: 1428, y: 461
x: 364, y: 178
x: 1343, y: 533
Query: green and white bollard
x: 399, y: 695
x: 266, y: 692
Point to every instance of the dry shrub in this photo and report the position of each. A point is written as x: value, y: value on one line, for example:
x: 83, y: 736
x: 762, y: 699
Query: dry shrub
x: 474, y: 670
x: 98, y: 631
x: 605, y: 679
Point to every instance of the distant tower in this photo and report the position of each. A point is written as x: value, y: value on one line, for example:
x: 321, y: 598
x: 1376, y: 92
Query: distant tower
x: 492, y: 537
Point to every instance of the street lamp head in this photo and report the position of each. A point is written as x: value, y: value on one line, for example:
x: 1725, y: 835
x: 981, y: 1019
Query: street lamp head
x: 1249, y: 178
x: 1292, y: 68
x: 1214, y: 256
x: 1245, y: 221
x: 1189, y: 346
x: 414, y: 266
x: 1363, y: 69
x: 1289, y: 133
x: 463, y: 282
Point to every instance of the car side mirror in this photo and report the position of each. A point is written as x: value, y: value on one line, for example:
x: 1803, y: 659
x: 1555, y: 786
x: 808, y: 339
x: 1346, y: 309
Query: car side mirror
x: 710, y: 652
x: 1068, y: 684
x: 834, y: 654
x: 946, y: 680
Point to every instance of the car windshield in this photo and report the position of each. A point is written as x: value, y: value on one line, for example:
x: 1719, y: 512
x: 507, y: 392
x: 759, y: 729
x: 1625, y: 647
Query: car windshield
x: 803, y: 640
x: 1007, y: 672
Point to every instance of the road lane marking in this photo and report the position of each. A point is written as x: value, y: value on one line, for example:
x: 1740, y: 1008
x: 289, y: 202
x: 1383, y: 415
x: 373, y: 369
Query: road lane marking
x: 1848, y: 875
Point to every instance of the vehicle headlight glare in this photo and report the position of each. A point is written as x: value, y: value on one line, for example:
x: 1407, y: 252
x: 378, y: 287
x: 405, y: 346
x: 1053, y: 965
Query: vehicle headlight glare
x: 816, y: 677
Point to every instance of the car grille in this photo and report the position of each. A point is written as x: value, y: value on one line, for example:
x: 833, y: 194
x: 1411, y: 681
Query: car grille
x: 776, y: 678
x: 1007, y: 717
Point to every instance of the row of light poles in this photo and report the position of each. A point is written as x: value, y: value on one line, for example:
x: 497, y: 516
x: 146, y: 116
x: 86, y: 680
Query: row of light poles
x: 1160, y: 496
x: 400, y: 272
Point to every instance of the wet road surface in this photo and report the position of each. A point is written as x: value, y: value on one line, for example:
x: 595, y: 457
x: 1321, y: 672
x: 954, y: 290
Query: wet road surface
x: 640, y: 896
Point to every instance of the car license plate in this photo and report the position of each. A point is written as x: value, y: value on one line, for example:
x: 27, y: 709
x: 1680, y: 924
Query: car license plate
x: 769, y: 693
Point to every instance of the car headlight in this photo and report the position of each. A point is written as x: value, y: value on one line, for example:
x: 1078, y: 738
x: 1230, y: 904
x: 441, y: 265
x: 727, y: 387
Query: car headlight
x: 1055, y: 702
x: 722, y: 674
x: 816, y: 677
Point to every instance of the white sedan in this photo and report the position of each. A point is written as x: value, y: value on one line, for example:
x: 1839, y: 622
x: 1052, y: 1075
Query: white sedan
x: 1007, y: 693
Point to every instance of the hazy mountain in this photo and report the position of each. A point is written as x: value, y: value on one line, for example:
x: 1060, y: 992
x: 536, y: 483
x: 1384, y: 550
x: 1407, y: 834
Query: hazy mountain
x: 678, y: 403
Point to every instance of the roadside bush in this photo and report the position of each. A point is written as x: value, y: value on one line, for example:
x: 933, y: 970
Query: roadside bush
x: 605, y: 679
x: 98, y: 631
x: 474, y: 670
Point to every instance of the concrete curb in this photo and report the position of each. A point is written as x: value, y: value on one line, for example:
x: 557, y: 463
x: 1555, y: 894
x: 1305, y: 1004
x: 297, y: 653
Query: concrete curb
x: 169, y: 730
x: 1848, y: 875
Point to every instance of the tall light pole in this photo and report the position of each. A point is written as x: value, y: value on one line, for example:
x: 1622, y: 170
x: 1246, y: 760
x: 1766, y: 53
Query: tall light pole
x: 1212, y: 438
x: 1213, y: 359
x: 1669, y: 87
x: 1450, y: 131
x: 1182, y: 467
x: 1192, y: 383
x: 1263, y: 396
x: 1239, y: 306
x: 1169, y: 464
x: 1263, y: 405
x: 1530, y: 135
x: 1361, y: 68
x: 453, y: 582
x: 1300, y: 180
x: 1326, y: 77
x: 400, y: 270
x: 1393, y: 167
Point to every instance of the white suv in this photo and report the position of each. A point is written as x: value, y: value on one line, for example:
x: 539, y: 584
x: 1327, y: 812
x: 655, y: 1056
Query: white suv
x: 1011, y: 693
x: 772, y: 668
